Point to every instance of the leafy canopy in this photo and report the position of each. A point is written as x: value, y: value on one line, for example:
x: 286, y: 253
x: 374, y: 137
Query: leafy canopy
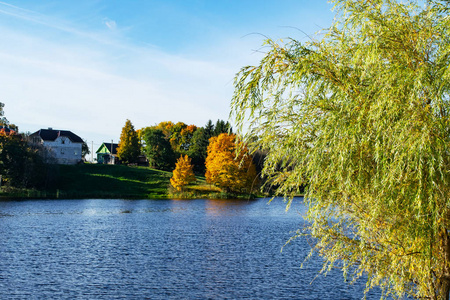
x: 228, y: 168
x: 361, y: 117
x: 21, y: 165
x: 183, y: 139
x: 157, y: 149
x: 200, y: 142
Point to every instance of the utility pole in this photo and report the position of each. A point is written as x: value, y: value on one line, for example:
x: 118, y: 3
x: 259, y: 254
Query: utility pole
x: 92, y: 152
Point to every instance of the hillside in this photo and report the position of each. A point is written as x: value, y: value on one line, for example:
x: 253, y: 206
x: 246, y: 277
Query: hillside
x: 117, y: 182
x: 111, y: 181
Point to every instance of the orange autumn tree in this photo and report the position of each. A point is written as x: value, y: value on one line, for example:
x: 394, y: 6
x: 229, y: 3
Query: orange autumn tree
x: 183, y: 173
x: 228, y: 168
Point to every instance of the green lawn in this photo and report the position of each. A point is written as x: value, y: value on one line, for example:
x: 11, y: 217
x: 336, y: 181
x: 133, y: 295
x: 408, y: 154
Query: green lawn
x: 117, y: 181
x: 111, y: 181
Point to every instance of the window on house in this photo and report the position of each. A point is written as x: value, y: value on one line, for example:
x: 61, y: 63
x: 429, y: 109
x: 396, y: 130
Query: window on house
x: 62, y: 151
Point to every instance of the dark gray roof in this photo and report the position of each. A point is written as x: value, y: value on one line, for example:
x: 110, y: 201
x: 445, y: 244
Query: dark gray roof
x: 113, y: 146
x: 53, y: 134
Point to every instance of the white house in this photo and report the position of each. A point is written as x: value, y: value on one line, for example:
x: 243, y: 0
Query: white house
x: 63, y: 146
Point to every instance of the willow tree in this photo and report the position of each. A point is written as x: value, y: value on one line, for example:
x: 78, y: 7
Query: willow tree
x: 361, y: 117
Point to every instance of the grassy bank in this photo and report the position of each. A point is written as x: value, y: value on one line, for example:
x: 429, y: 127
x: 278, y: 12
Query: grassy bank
x: 118, y: 181
x: 110, y: 181
x: 101, y: 181
x: 200, y: 189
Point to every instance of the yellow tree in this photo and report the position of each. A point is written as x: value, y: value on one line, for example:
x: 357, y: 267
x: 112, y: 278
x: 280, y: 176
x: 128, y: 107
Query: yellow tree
x: 227, y: 168
x: 183, y: 173
x: 129, y: 147
x: 166, y: 128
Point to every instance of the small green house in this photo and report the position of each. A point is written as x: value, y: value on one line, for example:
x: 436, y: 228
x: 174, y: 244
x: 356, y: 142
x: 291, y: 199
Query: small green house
x: 107, y: 154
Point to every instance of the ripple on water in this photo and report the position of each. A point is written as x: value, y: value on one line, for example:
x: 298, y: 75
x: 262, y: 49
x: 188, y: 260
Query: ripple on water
x: 122, y: 249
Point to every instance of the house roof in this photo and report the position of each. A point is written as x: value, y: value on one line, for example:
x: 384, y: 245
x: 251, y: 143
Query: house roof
x: 53, y: 134
x: 109, y: 146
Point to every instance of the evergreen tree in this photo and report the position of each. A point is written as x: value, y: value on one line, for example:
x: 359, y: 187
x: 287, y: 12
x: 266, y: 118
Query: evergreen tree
x: 129, y: 146
x: 209, y: 129
x: 200, y: 141
x: 222, y: 127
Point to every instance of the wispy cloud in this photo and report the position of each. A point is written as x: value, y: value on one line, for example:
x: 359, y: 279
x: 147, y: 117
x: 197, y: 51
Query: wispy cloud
x: 91, y: 87
x: 66, y: 75
x: 21, y: 12
x: 57, y: 24
x: 111, y: 24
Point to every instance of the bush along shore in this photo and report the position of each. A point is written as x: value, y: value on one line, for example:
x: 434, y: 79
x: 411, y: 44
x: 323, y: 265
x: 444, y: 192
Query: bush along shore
x: 117, y: 182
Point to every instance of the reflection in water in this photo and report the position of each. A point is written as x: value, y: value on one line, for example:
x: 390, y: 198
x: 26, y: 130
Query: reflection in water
x: 226, y: 207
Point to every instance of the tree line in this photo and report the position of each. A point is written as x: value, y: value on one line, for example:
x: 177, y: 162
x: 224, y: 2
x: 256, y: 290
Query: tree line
x: 212, y: 150
x: 21, y: 164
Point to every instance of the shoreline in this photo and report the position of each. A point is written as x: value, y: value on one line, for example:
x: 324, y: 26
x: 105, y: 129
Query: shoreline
x: 95, y: 181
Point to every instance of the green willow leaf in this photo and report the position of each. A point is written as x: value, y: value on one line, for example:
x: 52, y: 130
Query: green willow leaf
x: 361, y: 118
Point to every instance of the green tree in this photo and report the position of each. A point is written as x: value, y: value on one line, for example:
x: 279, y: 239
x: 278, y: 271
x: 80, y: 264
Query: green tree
x: 85, y: 149
x: 186, y: 138
x: 129, y: 147
x: 209, y: 128
x: 176, y: 136
x: 200, y: 140
x: 157, y: 149
x: 20, y: 165
x: 180, y: 137
x: 222, y: 127
x: 4, y: 121
x: 197, y: 151
x: 362, y: 117
x: 167, y: 128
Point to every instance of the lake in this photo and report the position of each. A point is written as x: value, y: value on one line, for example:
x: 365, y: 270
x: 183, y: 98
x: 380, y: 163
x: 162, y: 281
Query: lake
x: 160, y: 249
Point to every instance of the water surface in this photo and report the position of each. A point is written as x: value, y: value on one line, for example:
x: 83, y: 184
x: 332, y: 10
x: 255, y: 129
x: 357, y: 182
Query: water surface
x: 159, y: 249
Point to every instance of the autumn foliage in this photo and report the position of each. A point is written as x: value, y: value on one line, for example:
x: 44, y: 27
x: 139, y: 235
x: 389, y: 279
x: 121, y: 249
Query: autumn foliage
x: 129, y: 147
x: 227, y: 167
x: 182, y: 139
x: 183, y: 173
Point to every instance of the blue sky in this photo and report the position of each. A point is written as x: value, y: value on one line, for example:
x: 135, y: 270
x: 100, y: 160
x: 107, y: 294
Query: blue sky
x: 87, y: 66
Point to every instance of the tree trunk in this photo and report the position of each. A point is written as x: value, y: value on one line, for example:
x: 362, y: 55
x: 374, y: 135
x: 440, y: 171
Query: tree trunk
x: 443, y: 288
x: 442, y: 292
